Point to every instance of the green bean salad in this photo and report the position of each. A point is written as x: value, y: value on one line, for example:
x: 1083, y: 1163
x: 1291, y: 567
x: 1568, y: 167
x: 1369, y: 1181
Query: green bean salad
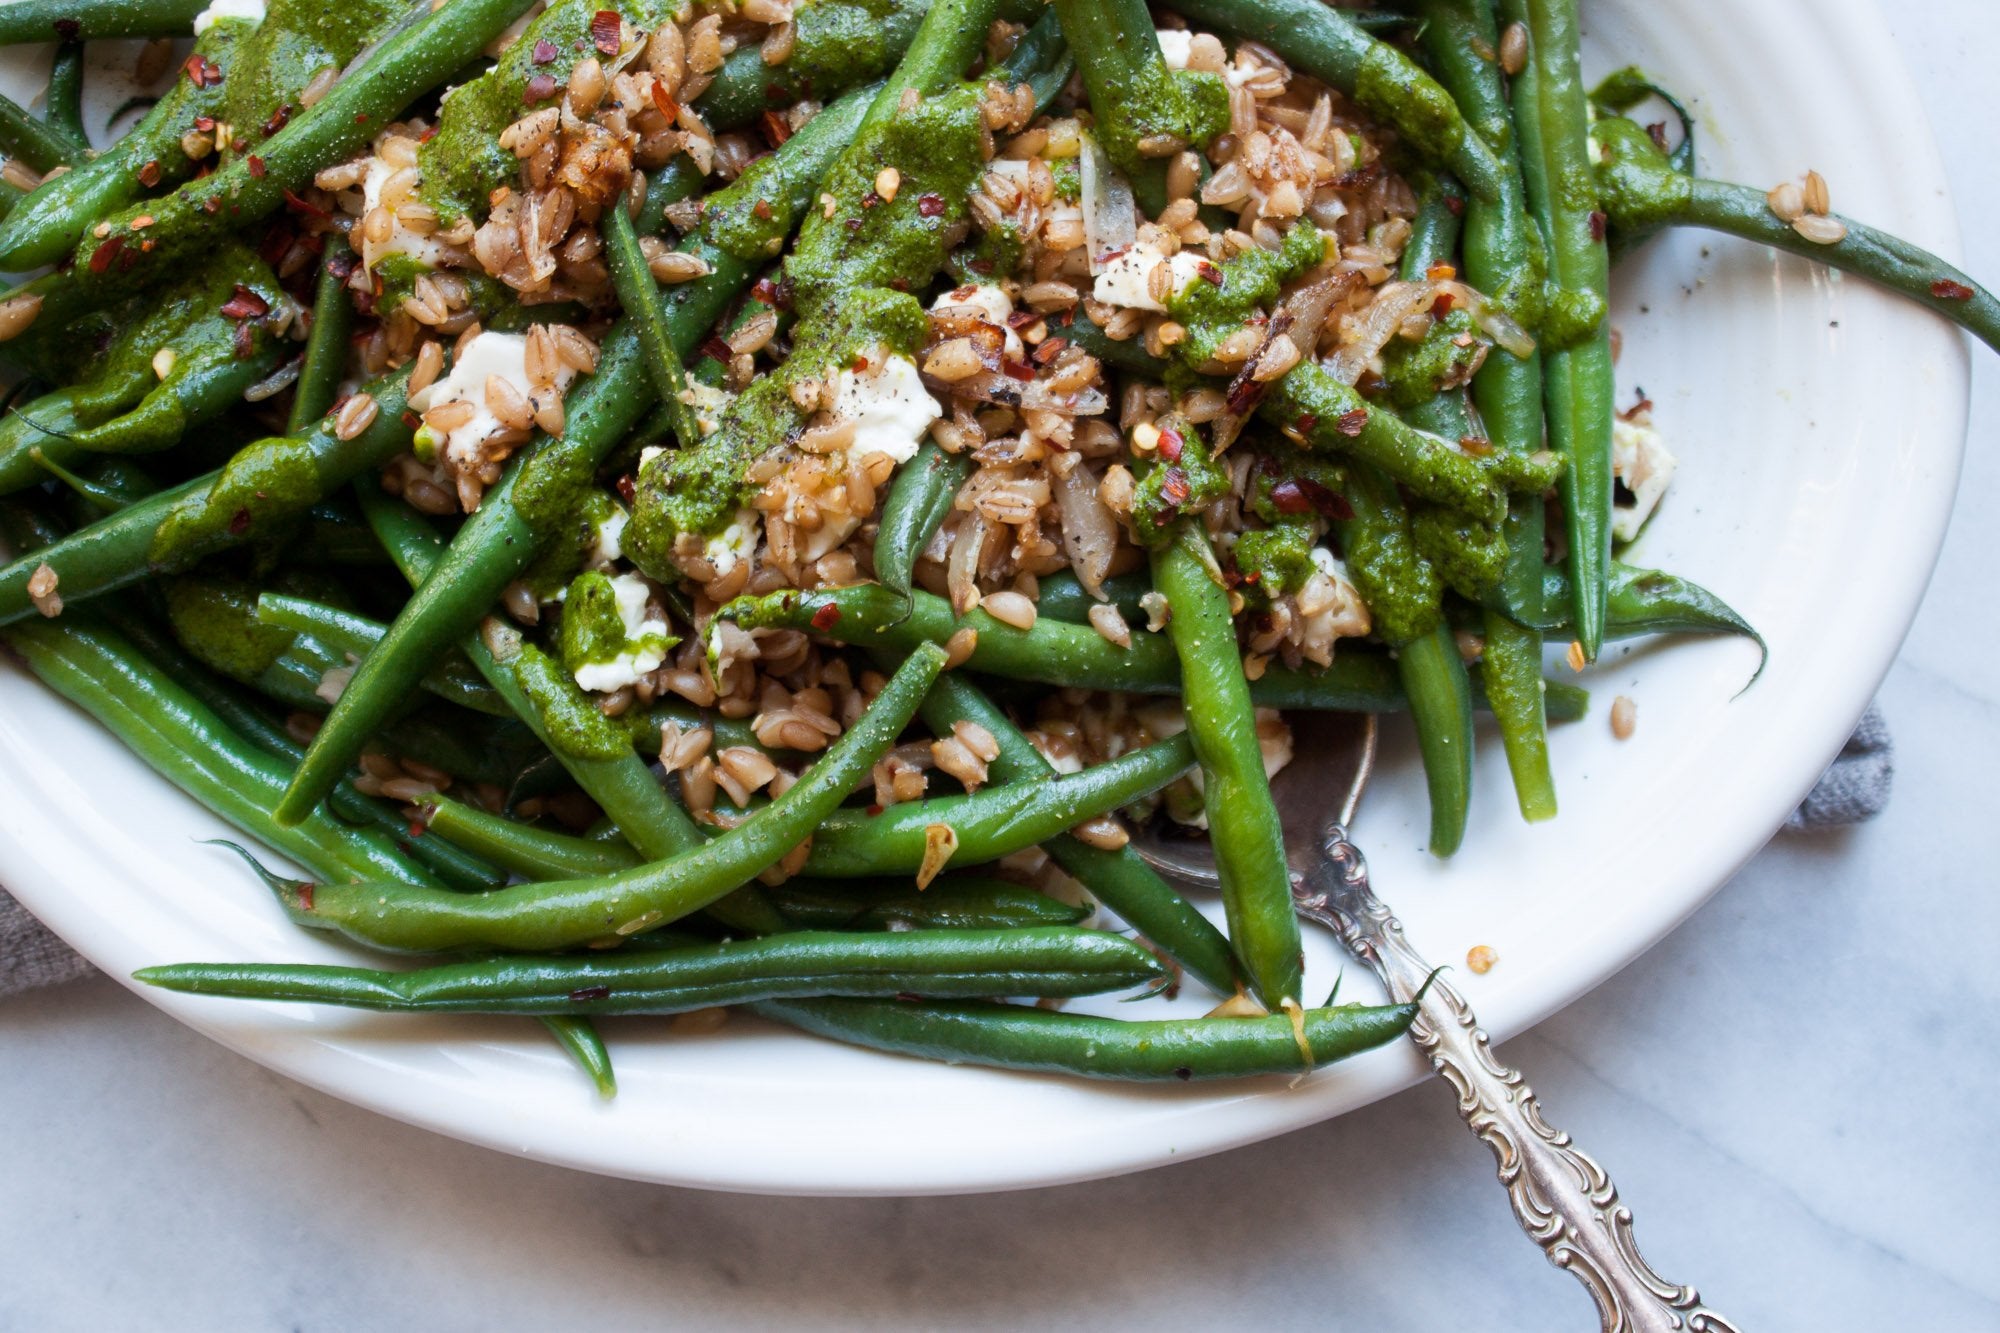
x: 659, y: 508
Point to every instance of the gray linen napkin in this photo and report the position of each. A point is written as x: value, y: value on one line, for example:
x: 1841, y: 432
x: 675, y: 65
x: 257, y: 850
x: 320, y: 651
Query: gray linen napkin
x: 1854, y: 788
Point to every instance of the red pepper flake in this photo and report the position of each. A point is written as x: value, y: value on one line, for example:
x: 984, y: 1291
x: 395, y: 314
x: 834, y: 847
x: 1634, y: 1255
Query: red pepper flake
x: 410, y: 419
x: 300, y: 204
x: 1371, y: 384
x: 664, y: 103
x: 306, y: 895
x: 1208, y: 273
x: 715, y: 349
x: 765, y: 291
x: 245, y: 304
x: 1657, y: 132
x: 540, y: 89
x: 874, y: 810
x: 239, y: 523
x: 870, y: 199
x: 1305, y: 423
x: 430, y: 133
x: 1331, y: 504
x: 854, y: 224
x: 1597, y: 224
x: 1170, y: 445
x: 1016, y: 370
x: 277, y: 120
x: 983, y: 267
x: 626, y: 488
x: 417, y: 829
x: 1352, y: 423
x: 587, y: 993
x: 68, y: 30
x: 201, y: 71
x: 244, y: 340
x: 1944, y: 289
x: 1174, y: 487
x: 826, y: 617
x: 1244, y: 393
x: 1021, y: 319
x: 1289, y: 497
x: 102, y: 257
x: 1050, y: 349
x: 1454, y: 205
x: 255, y: 164
x: 861, y: 364
x: 761, y: 210
x: 545, y: 51
x: 930, y: 205
x: 1633, y: 412
x: 776, y: 128
x: 607, y: 30
x: 1360, y: 176
x: 149, y: 175
x: 1442, y: 306
x: 361, y: 118
x: 238, y: 144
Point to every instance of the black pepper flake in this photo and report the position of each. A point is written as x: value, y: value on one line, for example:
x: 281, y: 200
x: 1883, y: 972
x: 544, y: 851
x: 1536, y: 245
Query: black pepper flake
x: 68, y: 30
x: 585, y: 994
x: 1598, y: 222
x: 239, y: 523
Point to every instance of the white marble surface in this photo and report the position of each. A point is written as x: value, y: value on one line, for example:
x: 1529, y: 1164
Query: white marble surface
x: 1794, y: 1091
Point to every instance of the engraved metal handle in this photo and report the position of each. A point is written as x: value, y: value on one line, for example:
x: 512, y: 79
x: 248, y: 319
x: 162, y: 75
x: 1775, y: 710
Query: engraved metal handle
x: 1562, y: 1198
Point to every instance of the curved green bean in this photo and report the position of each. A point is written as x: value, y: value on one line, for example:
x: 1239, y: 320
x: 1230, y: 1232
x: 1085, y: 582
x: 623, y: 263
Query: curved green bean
x: 1010, y: 1036
x: 919, y: 501
x: 324, y: 364
x: 82, y: 20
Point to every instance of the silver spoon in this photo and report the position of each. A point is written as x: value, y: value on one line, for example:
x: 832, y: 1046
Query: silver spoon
x: 1562, y: 1198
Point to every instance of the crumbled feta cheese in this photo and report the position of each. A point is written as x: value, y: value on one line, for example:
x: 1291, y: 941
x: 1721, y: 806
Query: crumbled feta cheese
x: 426, y: 249
x: 646, y: 641
x: 708, y: 402
x: 992, y: 306
x: 1639, y: 459
x: 1174, y: 46
x: 608, y: 541
x: 487, y: 355
x: 888, y: 404
x: 251, y: 11
x: 1126, y: 281
x: 735, y: 543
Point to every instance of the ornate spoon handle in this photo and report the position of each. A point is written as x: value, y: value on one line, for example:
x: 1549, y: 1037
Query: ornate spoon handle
x: 1562, y: 1198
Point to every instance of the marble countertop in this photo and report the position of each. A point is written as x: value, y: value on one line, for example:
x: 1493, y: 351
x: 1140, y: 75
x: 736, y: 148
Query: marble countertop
x: 1794, y: 1091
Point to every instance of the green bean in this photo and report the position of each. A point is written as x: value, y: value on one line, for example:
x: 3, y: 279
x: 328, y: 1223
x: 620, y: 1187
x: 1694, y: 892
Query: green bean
x: 1641, y: 191
x: 1503, y: 258
x: 325, y: 360
x: 499, y: 541
x: 564, y: 913
x: 1062, y: 596
x: 920, y: 499
x: 993, y: 822
x: 1044, y: 960
x: 579, y: 1038
x: 639, y: 295
x: 1552, y: 116
x: 1434, y: 676
x: 38, y: 144
x: 63, y: 103
x: 81, y: 20
x: 958, y: 901
x: 1135, y: 95
x: 1120, y: 879
x: 1324, y: 43
x: 1242, y: 818
x: 353, y: 634
x: 1622, y: 89
x: 259, y: 493
x: 104, y: 493
x: 183, y: 741
x: 402, y: 68
x: 1011, y: 1036
x: 1054, y: 652
x: 1641, y: 602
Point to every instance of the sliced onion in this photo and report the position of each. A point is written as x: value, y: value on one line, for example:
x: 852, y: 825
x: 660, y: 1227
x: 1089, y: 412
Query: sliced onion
x: 1003, y: 390
x: 1090, y: 533
x: 1393, y: 304
x: 1110, y: 216
x: 1494, y: 322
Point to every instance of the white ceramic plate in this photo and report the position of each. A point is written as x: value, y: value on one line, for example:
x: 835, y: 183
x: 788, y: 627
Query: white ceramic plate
x: 1819, y: 425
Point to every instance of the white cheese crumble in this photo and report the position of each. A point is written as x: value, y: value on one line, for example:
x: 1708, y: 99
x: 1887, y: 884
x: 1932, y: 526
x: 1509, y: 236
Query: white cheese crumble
x: 888, y: 404
x: 1125, y: 280
x: 735, y: 543
x: 1640, y: 459
x: 487, y: 355
x: 1175, y: 44
x: 608, y: 540
x: 402, y: 240
x: 646, y: 640
x: 250, y: 11
x: 708, y: 403
x: 991, y: 304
